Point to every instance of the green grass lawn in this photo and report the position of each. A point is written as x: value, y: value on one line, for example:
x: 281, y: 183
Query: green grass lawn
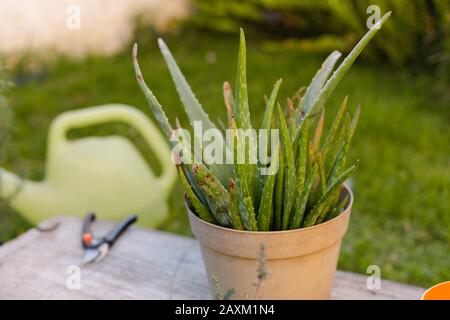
x: 401, y: 217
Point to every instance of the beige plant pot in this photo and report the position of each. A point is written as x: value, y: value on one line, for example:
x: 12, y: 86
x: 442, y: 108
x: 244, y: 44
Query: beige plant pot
x: 299, y: 264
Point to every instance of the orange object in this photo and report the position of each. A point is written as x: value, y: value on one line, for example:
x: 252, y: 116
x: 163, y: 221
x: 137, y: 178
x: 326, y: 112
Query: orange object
x: 87, y: 238
x: 440, y: 291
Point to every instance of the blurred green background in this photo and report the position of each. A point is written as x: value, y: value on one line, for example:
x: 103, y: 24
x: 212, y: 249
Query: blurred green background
x: 401, y: 218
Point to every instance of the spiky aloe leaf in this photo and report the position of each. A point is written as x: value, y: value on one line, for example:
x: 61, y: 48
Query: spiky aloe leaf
x: 215, y: 193
x: 229, y: 103
x: 267, y: 118
x: 185, y: 142
x: 355, y: 120
x: 312, y: 92
x: 242, y: 115
x: 201, y: 210
x: 235, y: 215
x: 317, y: 210
x: 338, y: 209
x: 297, y: 97
x: 241, y: 110
x: 178, y: 137
x: 302, y: 199
x: 246, y: 207
x: 322, y: 177
x: 291, y: 122
x: 289, y: 187
x: 331, y: 155
x: 192, y: 106
x: 341, y: 156
x: 331, y: 136
x: 302, y: 148
x: 279, y: 192
x: 267, y: 121
x: 266, y: 208
x: 302, y: 157
x: 320, y: 184
x: 161, y: 117
x: 319, y: 130
x: 337, y: 76
x: 155, y: 106
x: 330, y: 204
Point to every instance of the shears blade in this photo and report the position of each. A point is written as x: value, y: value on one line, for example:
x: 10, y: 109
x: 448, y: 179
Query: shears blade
x: 96, y: 254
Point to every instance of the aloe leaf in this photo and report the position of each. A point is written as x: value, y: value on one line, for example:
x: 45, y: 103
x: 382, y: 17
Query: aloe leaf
x: 316, y: 211
x: 155, y: 106
x: 297, y: 97
x: 229, y: 103
x: 329, y: 205
x: 266, y: 208
x: 322, y: 177
x: 341, y: 156
x: 302, y: 156
x: 331, y: 136
x: 266, y: 123
x: 312, y: 92
x: 320, y: 184
x: 337, y: 76
x: 246, y: 207
x: 199, y: 208
x: 267, y: 118
x: 180, y: 138
x: 245, y: 202
x: 279, y: 192
x: 318, y: 131
x: 355, y: 120
x: 289, y: 187
x: 215, y: 193
x: 242, y: 116
x: 192, y: 106
x: 185, y: 143
x: 241, y: 110
x: 291, y: 122
x: 335, y: 147
x: 338, y: 209
x: 161, y: 117
x: 302, y: 199
x: 234, y: 210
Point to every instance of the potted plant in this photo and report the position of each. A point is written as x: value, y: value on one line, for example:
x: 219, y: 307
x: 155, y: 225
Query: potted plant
x: 269, y: 228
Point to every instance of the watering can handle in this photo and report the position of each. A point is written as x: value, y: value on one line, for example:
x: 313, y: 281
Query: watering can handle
x: 116, y: 113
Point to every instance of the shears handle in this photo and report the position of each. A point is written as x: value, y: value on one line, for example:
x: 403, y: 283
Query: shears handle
x: 86, y: 232
x: 112, y: 236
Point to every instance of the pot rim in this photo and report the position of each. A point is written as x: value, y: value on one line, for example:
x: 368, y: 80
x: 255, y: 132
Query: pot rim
x: 211, y: 225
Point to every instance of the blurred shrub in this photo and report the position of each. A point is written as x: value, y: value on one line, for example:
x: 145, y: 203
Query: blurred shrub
x: 418, y: 31
x: 5, y: 116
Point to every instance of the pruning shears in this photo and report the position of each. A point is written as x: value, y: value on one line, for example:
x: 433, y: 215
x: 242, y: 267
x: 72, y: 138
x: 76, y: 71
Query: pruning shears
x: 95, y: 249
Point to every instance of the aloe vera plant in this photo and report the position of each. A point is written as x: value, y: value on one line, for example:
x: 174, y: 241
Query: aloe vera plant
x: 304, y: 179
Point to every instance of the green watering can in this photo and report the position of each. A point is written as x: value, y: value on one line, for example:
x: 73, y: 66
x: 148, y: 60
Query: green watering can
x: 107, y: 175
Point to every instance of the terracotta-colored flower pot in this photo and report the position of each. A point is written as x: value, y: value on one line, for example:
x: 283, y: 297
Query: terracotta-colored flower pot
x: 299, y: 264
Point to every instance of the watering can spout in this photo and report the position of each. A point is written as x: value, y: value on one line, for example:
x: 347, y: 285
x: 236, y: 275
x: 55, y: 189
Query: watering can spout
x: 21, y: 194
x: 10, y: 184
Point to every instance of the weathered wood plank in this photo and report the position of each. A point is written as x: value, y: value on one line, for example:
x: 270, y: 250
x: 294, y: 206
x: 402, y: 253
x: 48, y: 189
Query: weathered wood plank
x: 144, y: 264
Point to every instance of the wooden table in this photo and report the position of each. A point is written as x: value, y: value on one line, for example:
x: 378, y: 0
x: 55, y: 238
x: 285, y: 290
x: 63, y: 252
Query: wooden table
x: 143, y: 264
